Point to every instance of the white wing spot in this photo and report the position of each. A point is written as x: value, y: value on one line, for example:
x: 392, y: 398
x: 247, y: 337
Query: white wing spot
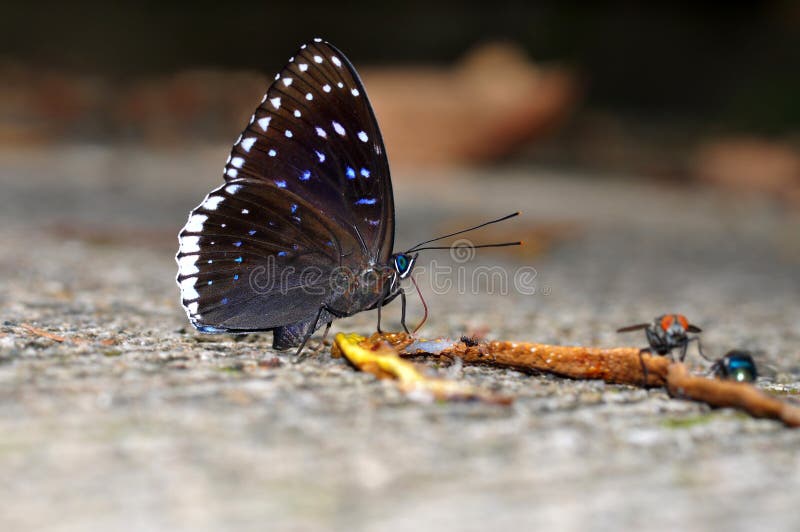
x: 338, y: 128
x: 264, y: 98
x: 264, y: 122
x: 303, y: 47
x: 326, y: 88
x: 317, y: 39
x: 195, y: 223
x: 190, y: 244
x: 354, y: 92
x: 245, y: 211
x: 287, y: 81
x: 276, y: 102
x: 288, y: 133
x: 309, y: 96
x: 212, y: 202
x: 187, y: 265
x: 192, y: 307
x: 272, y: 153
x: 277, y: 76
x: 252, y: 117
x: 297, y: 113
x: 321, y: 133
x: 187, y: 288
x: 237, y: 162
x: 233, y: 189
x: 238, y: 140
x: 248, y: 143
x: 232, y: 172
x: 302, y: 66
x: 336, y: 61
x: 318, y: 59
x: 362, y: 135
x: 340, y: 85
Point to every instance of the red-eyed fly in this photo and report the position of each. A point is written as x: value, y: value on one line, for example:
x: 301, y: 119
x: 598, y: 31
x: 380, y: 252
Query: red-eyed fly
x: 665, y: 334
x: 668, y: 332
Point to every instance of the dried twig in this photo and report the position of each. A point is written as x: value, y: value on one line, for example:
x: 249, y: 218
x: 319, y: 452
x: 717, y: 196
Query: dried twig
x: 743, y: 396
x: 622, y: 365
x: 44, y: 334
x: 61, y: 339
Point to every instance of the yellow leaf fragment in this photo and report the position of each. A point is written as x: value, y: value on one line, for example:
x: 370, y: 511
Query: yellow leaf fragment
x: 381, y: 359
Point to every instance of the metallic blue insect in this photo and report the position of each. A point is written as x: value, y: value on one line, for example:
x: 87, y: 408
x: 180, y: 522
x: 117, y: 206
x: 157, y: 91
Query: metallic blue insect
x: 736, y: 365
x: 302, y: 230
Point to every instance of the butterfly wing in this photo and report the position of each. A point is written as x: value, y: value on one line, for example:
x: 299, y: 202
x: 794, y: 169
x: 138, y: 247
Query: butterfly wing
x: 307, y: 191
x: 315, y: 134
x: 249, y: 261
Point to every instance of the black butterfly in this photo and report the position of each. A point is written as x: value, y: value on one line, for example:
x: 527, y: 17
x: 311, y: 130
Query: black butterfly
x: 303, y: 228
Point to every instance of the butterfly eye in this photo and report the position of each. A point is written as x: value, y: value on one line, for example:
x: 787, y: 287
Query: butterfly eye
x: 401, y: 263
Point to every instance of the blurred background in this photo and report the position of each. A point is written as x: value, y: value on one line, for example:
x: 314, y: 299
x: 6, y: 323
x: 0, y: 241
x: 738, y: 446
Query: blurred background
x: 687, y: 91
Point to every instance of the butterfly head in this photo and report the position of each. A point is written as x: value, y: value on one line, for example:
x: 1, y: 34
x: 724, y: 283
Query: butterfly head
x: 403, y: 263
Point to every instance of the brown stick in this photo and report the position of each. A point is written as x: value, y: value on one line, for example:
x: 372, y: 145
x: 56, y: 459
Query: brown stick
x: 621, y: 365
x: 36, y: 331
x: 743, y: 396
x: 44, y: 334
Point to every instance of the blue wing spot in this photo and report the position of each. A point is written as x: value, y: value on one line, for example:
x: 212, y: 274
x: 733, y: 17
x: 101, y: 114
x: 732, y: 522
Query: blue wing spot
x: 238, y: 244
x: 224, y: 300
x: 208, y: 328
x: 374, y: 223
x: 365, y: 172
x: 281, y: 183
x: 320, y: 155
x: 211, y: 282
x: 238, y: 259
x: 282, y: 253
x: 366, y: 201
x: 294, y: 208
x: 306, y: 175
x: 351, y: 174
x: 251, y: 232
x: 295, y: 246
x: 236, y: 277
x: 329, y: 243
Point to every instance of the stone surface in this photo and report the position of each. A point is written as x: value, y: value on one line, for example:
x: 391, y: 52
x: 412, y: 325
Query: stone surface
x: 136, y: 422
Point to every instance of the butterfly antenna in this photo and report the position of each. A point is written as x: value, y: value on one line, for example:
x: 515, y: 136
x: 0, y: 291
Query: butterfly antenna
x: 484, y: 224
x: 499, y: 245
x: 424, y: 306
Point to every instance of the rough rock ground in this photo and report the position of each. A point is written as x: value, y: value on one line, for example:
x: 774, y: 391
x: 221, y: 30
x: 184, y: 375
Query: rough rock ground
x: 138, y: 423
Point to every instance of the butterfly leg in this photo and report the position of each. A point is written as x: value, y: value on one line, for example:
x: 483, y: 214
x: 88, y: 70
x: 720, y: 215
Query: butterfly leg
x: 298, y: 355
x: 403, y: 311
x: 380, y: 305
x: 327, y: 330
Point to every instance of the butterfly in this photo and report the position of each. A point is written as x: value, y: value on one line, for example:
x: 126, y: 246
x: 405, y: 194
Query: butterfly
x: 302, y: 230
